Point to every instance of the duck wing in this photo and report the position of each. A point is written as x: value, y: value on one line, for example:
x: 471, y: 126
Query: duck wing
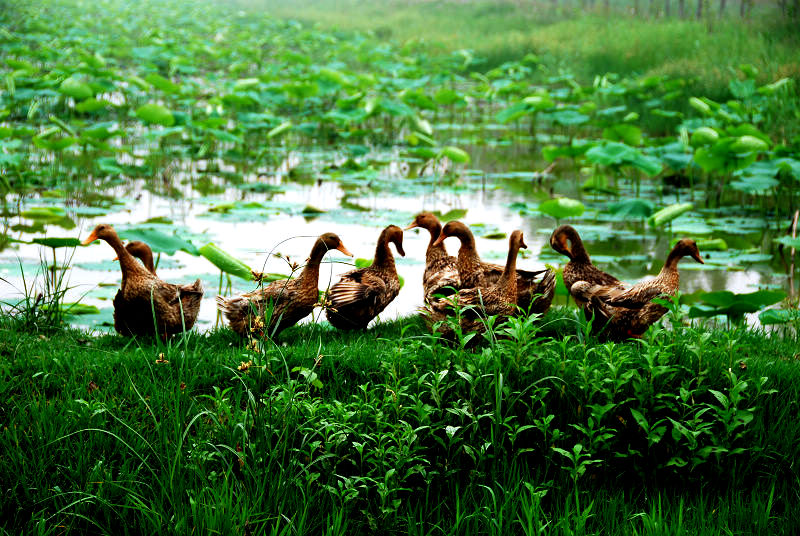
x: 634, y: 297
x: 358, y: 286
x: 441, y: 277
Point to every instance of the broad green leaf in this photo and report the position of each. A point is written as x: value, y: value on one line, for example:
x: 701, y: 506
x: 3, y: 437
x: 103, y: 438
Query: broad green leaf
x: 667, y: 214
x: 779, y: 316
x: 789, y: 242
x: 155, y: 114
x: 450, y: 215
x: 76, y: 308
x: 620, y: 154
x: 746, y: 144
x: 78, y: 90
x: 57, y: 242
x: 632, y: 208
x: 280, y: 129
x: 158, y: 241
x: 92, y: 105
x: 769, y: 89
x: 699, y: 105
x: 562, y: 207
x: 44, y: 214
x: 455, y: 154
x: 164, y: 84
x: 630, y: 134
x: 704, y: 136
x: 245, y: 84
x: 226, y: 262
x: 515, y: 111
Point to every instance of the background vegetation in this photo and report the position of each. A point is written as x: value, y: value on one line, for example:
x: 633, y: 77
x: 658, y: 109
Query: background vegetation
x: 583, y: 38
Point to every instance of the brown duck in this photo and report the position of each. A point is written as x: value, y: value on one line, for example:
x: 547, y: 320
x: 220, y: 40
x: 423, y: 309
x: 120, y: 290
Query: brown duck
x: 629, y: 312
x: 441, y: 270
x: 144, y: 304
x: 497, y: 298
x: 141, y: 251
x: 567, y: 241
x: 476, y: 273
x: 268, y: 311
x: 360, y: 295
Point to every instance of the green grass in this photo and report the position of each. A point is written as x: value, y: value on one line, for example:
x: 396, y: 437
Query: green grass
x: 331, y: 433
x: 584, y: 43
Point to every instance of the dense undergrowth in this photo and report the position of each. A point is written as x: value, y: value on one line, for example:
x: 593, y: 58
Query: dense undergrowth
x: 574, y: 38
x: 542, y: 431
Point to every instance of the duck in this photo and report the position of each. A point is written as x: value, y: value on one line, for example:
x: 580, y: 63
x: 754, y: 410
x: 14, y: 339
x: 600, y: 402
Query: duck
x: 141, y: 251
x: 567, y: 241
x: 361, y: 294
x: 267, y: 311
x: 499, y: 298
x: 441, y: 270
x: 628, y: 312
x: 144, y: 304
x: 534, y: 289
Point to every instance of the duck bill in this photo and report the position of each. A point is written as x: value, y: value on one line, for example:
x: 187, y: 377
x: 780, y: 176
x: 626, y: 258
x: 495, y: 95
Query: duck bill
x: 439, y: 240
x: 698, y: 258
x: 523, y: 245
x: 89, y: 239
x: 344, y: 250
x: 400, y: 250
x: 412, y: 226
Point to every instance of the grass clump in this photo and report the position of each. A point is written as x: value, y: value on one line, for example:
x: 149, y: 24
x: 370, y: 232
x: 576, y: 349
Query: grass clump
x: 328, y: 432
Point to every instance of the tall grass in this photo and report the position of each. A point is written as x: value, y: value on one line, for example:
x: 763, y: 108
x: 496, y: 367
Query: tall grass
x: 687, y: 431
x: 40, y: 306
x: 586, y: 43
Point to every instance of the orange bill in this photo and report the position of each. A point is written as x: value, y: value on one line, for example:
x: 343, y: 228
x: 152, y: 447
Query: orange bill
x: 439, y: 240
x: 89, y: 239
x: 344, y: 250
x: 412, y: 226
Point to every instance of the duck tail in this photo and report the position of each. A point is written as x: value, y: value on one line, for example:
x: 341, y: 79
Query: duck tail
x: 230, y: 306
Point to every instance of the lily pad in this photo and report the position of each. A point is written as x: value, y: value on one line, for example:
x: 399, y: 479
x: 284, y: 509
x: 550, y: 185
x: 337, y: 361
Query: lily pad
x: 779, y: 316
x: 667, y: 214
x: 562, y: 207
x: 156, y: 114
x: 158, y: 241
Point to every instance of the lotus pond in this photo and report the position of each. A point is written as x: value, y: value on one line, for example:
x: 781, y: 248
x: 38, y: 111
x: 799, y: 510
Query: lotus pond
x: 257, y: 135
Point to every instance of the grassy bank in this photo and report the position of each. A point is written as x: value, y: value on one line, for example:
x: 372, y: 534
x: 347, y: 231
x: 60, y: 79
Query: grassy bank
x: 688, y: 431
x: 583, y: 43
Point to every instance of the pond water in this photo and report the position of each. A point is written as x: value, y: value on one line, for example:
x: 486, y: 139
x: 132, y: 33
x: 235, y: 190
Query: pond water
x: 255, y: 215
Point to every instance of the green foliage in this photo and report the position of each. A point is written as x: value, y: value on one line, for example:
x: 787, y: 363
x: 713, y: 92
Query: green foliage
x: 156, y: 114
x: 226, y: 262
x: 667, y: 214
x: 544, y: 431
x: 562, y: 207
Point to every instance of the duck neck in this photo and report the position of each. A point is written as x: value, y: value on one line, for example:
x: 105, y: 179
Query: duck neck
x: 127, y: 262
x: 579, y: 253
x: 467, y: 250
x: 147, y: 260
x: 508, y: 280
x: 671, y: 264
x: 383, y: 255
x: 469, y: 262
x: 309, y: 277
x: 438, y: 251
